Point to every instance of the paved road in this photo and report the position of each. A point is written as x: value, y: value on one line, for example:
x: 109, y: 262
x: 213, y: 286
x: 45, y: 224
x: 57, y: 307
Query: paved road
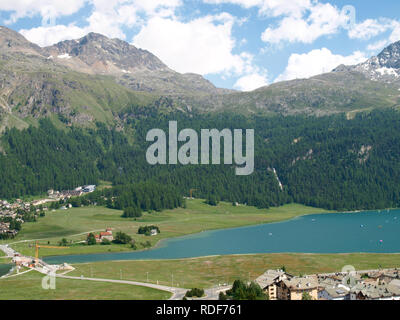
x: 16, y: 274
x: 7, y: 250
x: 209, y: 294
x: 177, y: 293
x: 213, y: 293
x: 72, y: 235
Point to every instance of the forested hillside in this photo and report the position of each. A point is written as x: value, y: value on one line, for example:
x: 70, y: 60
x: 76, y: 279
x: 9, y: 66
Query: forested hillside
x: 330, y: 162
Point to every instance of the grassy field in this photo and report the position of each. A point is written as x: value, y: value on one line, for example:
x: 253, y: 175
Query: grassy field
x: 104, y: 185
x: 4, y: 266
x: 5, y: 259
x: 74, y: 223
x: 210, y: 271
x: 28, y: 287
x: 204, y: 272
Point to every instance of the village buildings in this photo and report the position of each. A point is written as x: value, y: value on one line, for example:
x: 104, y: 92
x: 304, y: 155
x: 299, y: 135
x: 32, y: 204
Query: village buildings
x: 373, y: 285
x: 18, y: 210
x: 106, y: 235
x: 296, y: 288
x: 269, y: 282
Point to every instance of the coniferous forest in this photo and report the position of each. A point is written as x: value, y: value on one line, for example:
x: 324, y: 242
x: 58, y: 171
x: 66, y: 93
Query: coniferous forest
x: 330, y: 162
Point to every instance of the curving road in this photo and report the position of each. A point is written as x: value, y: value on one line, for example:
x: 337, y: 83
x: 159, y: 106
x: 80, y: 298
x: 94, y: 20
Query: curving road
x: 7, y: 250
x: 177, y: 293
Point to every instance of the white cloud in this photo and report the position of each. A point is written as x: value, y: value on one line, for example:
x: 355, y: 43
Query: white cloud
x: 206, y: 44
x: 294, y: 8
x: 243, y: 3
x: 270, y: 7
x: 202, y: 46
x: 108, y: 17
x: 394, y: 27
x: 322, y: 19
x: 44, y: 36
x: 45, y: 8
x: 56, y: 8
x: 306, y: 20
x: 316, y: 62
x: 369, y: 28
x: 395, y: 35
x: 251, y: 82
x: 373, y: 27
x: 152, y: 7
x: 301, y: 20
x: 376, y: 46
x: 98, y: 22
x: 107, y: 23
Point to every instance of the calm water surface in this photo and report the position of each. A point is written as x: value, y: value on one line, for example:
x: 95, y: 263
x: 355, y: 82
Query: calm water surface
x: 371, y: 231
x: 4, y: 269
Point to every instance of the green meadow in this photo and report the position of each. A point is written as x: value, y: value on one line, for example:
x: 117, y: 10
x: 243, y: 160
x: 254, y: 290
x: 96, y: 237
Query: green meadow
x: 74, y: 224
x: 204, y: 272
x: 28, y: 286
x: 207, y: 272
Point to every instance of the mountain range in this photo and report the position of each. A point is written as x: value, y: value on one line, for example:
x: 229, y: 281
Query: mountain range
x: 95, y: 78
x: 385, y: 67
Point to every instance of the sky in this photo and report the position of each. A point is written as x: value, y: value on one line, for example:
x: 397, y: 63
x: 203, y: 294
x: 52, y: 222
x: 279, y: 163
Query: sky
x: 236, y: 44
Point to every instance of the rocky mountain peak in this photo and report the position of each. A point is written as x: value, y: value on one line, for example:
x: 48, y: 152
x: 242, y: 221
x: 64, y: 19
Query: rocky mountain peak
x: 98, y: 54
x: 390, y: 56
x: 11, y: 40
x: 385, y: 67
x: 132, y: 67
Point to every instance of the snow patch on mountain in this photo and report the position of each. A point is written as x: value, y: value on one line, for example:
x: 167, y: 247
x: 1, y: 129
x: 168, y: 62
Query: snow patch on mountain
x: 389, y: 71
x: 384, y: 67
x: 64, y: 56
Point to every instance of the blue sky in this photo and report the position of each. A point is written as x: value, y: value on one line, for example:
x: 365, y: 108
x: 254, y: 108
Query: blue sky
x: 241, y: 44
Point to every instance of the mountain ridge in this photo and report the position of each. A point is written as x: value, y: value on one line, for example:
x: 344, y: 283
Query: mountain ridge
x: 95, y: 78
x: 133, y: 67
x: 383, y: 67
x: 93, y: 50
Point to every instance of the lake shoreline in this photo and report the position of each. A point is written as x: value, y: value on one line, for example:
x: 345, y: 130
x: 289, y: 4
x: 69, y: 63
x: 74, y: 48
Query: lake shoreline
x: 247, y: 255
x: 160, y: 243
x: 196, y: 245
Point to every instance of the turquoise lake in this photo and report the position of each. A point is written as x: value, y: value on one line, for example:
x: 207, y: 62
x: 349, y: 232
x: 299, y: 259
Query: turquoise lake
x: 370, y: 231
x: 4, y: 269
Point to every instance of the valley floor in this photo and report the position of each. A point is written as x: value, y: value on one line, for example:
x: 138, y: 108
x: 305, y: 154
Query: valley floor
x: 204, y: 272
x: 208, y: 272
x: 28, y: 286
x: 74, y: 225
